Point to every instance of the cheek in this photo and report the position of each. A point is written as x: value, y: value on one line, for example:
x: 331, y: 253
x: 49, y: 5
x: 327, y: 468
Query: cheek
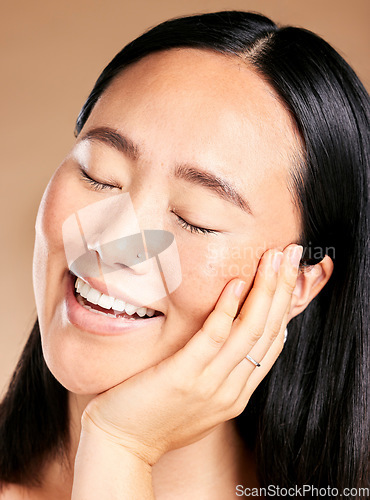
x: 61, y: 198
x: 206, y: 269
x: 56, y: 204
x: 49, y: 261
x: 50, y: 215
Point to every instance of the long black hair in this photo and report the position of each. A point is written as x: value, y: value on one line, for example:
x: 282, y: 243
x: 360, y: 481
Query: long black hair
x: 308, y: 420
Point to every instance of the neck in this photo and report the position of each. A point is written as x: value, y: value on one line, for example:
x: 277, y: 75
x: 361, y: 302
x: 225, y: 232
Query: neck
x: 216, y: 463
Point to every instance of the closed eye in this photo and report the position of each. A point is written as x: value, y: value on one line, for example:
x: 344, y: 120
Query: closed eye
x: 97, y: 186
x: 193, y: 229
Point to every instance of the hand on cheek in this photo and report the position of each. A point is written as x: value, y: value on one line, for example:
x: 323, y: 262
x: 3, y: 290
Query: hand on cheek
x: 210, y: 379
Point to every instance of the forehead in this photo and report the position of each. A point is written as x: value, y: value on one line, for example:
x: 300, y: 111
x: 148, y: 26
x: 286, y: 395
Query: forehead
x: 199, y: 106
x: 208, y: 96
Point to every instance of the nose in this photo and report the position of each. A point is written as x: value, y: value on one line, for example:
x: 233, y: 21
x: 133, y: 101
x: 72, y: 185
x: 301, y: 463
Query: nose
x: 114, y: 233
x: 125, y: 252
x: 106, y: 236
x: 135, y: 250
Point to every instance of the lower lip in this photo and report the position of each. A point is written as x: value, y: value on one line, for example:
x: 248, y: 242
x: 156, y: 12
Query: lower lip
x: 98, y: 324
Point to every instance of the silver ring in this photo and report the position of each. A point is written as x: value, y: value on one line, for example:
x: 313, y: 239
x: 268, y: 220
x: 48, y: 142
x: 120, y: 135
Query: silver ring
x: 252, y: 360
x: 139, y: 255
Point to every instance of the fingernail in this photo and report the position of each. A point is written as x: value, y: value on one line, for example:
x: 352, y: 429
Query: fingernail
x: 238, y: 288
x: 295, y: 255
x: 276, y: 261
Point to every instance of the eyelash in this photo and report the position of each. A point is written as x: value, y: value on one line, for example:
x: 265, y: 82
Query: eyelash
x: 193, y: 229
x: 99, y: 186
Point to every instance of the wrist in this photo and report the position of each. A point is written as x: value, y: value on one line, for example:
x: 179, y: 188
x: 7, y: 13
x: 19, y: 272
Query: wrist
x: 117, y: 442
x: 104, y: 469
x: 100, y: 443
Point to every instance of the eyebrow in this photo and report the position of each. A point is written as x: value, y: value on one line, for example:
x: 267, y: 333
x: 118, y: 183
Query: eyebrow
x: 113, y: 139
x: 219, y: 186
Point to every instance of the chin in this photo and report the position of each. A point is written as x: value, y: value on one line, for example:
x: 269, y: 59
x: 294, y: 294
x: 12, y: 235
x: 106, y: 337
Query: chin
x: 81, y: 375
x: 83, y: 384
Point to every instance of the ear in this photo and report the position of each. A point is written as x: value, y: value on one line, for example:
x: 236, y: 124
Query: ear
x: 309, y: 284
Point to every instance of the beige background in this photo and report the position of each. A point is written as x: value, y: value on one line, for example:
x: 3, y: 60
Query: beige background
x: 51, y: 54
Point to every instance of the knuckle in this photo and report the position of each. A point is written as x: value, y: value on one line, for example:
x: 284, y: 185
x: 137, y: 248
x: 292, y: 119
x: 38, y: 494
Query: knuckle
x: 181, y: 384
x: 216, y: 339
x: 269, y: 288
x: 289, y: 286
x: 225, y: 319
x: 254, y: 335
x: 205, y: 391
x: 274, y: 329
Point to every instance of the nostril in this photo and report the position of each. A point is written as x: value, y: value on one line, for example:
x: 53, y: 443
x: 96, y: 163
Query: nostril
x: 94, y: 246
x: 128, y: 250
x: 120, y: 266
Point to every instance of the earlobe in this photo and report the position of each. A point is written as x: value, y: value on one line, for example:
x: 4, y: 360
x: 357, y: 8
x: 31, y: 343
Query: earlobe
x: 309, y: 284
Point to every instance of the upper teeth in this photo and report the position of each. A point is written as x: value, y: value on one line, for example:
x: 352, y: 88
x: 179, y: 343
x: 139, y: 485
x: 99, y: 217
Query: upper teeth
x: 107, y: 302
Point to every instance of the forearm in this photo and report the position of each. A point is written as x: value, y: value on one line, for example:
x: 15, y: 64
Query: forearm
x: 105, y: 470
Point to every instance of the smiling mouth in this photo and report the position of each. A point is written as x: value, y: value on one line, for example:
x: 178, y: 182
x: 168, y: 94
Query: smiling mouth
x: 106, y: 305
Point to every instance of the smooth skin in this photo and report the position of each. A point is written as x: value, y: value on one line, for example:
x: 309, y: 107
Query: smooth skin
x: 204, y: 384
x: 191, y: 107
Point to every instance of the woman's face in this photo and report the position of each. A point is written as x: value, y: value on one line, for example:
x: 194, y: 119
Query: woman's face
x: 179, y: 112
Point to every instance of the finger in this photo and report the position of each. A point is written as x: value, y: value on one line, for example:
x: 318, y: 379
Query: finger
x: 270, y: 357
x: 254, y: 378
x: 245, y: 377
x: 207, y: 342
x: 250, y: 323
x: 280, y: 307
x: 240, y: 384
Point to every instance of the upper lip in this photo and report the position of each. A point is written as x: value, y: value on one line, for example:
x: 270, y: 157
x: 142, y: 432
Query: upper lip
x: 114, y: 292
